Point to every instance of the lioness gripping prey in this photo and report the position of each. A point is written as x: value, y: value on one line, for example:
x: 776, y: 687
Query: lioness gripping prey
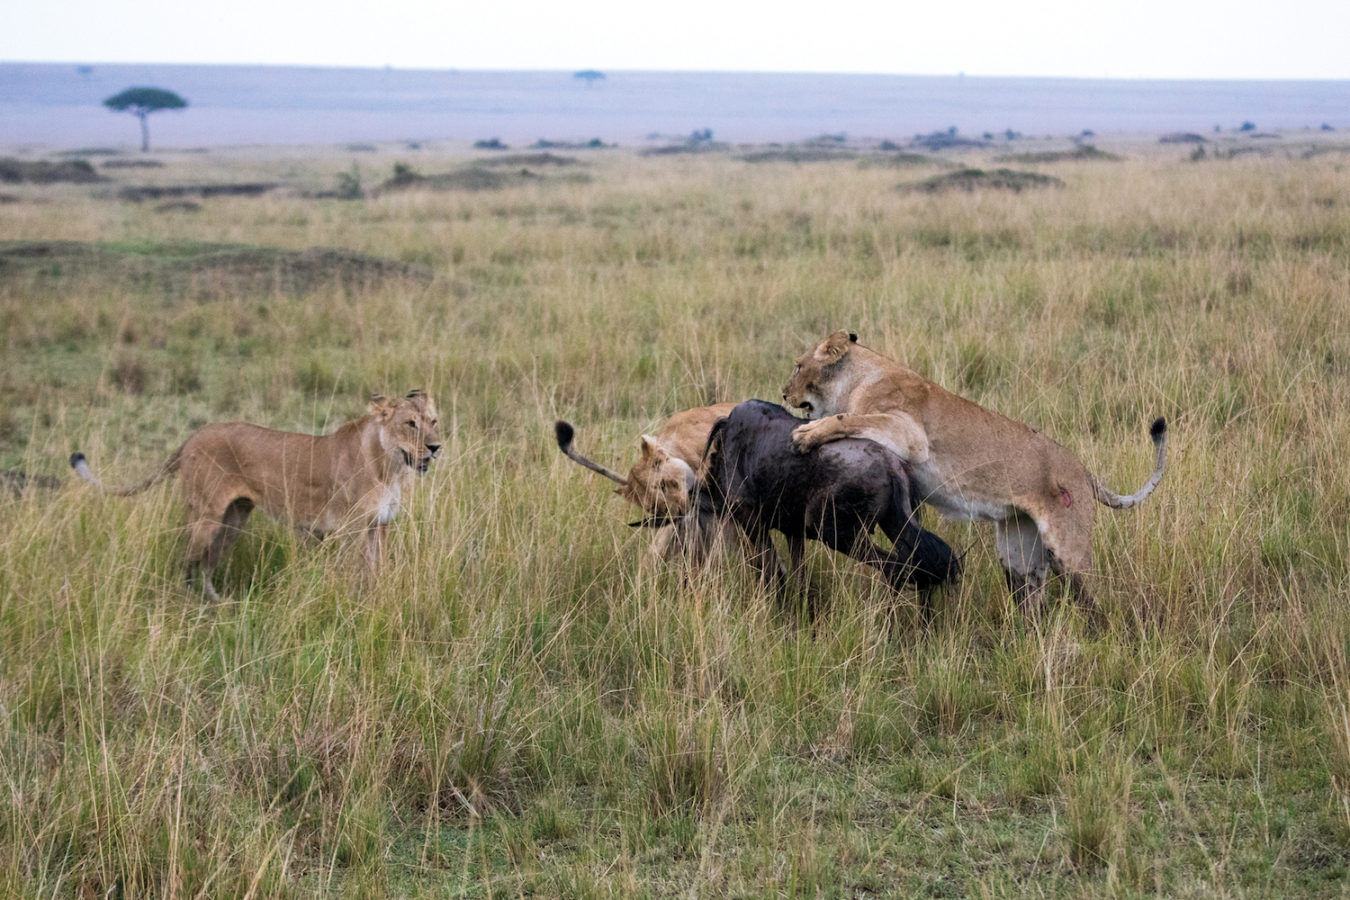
x: 966, y: 461
x: 352, y: 478
x: 661, y: 483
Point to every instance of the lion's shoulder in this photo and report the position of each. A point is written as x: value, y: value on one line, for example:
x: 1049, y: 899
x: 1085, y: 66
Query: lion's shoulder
x: 685, y: 434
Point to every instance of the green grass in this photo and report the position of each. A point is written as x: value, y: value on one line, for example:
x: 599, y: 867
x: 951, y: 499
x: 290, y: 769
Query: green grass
x: 523, y: 705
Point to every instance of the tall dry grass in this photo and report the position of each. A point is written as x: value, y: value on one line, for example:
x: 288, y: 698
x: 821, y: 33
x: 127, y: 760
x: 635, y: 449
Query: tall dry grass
x: 520, y: 705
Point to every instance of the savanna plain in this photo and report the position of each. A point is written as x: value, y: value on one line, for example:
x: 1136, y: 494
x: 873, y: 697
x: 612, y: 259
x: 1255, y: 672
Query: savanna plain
x: 521, y: 704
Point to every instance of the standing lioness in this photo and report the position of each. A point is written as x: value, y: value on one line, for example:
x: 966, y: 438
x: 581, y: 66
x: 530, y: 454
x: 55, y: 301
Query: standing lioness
x: 968, y: 462
x: 352, y: 478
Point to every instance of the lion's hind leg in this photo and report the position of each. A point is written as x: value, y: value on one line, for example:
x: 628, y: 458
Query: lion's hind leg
x: 210, y: 538
x: 1024, y: 558
x: 1066, y: 535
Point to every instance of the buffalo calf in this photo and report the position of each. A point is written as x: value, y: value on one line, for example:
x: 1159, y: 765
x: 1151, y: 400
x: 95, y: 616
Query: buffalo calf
x: 835, y: 494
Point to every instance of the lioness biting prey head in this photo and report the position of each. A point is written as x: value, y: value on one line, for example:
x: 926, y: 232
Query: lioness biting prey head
x: 968, y: 462
x: 661, y: 483
x: 352, y: 478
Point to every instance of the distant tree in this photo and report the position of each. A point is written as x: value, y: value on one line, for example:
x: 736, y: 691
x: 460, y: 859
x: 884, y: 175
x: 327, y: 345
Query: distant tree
x: 85, y: 71
x: 590, y: 76
x: 141, y: 102
x: 1247, y: 126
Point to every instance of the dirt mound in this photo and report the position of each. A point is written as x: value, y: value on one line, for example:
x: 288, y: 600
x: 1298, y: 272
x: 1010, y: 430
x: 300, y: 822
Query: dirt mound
x: 41, y: 171
x: 528, y: 159
x: 803, y: 154
x: 902, y: 161
x: 133, y: 164
x: 980, y: 180
x: 472, y: 178
x: 139, y: 194
x: 199, y: 271
x: 683, y: 149
x: 1085, y: 152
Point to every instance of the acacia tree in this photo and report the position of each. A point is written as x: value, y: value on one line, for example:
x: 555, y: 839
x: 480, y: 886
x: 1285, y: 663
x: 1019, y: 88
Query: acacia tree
x: 141, y: 102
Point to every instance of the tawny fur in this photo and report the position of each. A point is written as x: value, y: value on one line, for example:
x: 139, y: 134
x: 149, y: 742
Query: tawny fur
x: 967, y: 461
x: 351, y: 479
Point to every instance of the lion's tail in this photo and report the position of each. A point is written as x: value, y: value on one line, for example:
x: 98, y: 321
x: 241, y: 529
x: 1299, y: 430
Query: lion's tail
x: 81, y: 467
x: 1158, y: 432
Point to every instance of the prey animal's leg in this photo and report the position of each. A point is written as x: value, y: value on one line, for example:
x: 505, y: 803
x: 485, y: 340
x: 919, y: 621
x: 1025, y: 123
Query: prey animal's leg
x: 764, y: 559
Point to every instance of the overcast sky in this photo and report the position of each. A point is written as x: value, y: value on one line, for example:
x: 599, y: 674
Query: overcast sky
x: 1077, y: 38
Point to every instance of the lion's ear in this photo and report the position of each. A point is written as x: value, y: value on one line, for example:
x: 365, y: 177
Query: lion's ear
x: 835, y: 346
x: 378, y: 404
x: 649, y: 446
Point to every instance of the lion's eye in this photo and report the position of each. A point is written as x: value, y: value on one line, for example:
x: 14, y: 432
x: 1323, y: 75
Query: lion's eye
x: 412, y: 424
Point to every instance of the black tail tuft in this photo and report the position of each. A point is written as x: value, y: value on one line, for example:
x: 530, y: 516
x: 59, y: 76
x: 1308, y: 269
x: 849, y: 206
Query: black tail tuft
x: 564, y: 432
x: 1158, y: 429
x: 76, y: 458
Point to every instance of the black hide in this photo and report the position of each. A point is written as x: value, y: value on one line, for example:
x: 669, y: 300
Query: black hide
x: 835, y: 494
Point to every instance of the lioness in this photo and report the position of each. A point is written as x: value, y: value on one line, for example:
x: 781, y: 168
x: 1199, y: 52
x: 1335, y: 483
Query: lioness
x: 351, y: 478
x: 662, y: 481
x: 968, y: 462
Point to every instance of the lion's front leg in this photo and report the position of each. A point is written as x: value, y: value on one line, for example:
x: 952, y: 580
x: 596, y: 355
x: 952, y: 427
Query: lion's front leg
x: 898, y: 432
x: 808, y: 437
x: 374, y: 547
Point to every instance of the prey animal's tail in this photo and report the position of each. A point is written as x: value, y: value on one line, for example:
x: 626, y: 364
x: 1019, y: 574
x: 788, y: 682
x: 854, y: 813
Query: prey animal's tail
x: 81, y: 467
x: 1158, y: 431
x: 564, y: 432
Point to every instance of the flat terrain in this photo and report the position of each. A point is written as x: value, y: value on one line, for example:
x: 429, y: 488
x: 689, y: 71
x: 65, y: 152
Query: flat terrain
x: 522, y: 705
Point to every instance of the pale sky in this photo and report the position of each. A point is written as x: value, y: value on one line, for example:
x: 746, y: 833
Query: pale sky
x: 1074, y: 38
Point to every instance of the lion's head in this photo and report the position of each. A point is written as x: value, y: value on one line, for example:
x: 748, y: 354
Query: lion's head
x: 813, y: 386
x: 409, y: 427
x: 660, y: 483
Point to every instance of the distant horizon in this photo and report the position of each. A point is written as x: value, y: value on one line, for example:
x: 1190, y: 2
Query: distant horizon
x: 671, y: 71
x: 61, y: 104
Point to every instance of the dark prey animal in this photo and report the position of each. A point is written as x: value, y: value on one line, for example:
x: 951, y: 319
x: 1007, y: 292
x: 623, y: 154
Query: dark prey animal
x: 835, y: 494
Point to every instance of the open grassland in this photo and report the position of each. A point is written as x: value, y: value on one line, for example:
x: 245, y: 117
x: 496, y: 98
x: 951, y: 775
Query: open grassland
x: 520, y: 706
